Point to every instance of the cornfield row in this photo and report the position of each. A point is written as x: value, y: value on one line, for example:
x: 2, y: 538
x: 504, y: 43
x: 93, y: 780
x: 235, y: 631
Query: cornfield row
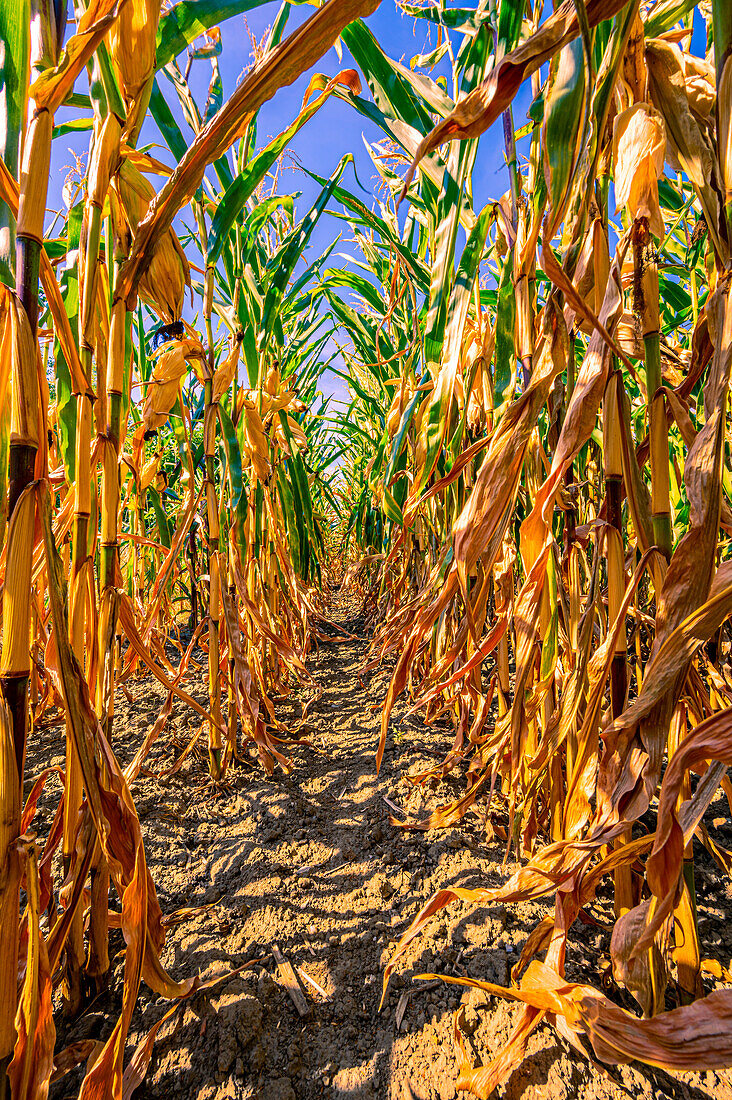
x: 534, y: 490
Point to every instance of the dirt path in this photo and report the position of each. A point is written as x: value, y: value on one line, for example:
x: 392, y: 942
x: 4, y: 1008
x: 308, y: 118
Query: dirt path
x: 309, y: 863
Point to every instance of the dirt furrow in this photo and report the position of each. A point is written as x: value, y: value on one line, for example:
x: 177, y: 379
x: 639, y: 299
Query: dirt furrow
x: 310, y: 864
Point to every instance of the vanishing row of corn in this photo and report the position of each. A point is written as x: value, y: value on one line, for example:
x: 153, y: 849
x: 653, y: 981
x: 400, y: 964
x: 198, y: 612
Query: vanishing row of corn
x: 143, y: 485
x: 539, y: 495
x: 533, y: 467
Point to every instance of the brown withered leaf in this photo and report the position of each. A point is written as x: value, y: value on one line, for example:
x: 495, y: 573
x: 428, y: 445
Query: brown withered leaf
x: 104, y: 1079
x: 71, y: 1057
x: 481, y: 526
x: 711, y: 740
x: 473, y: 115
x: 9, y: 193
x: 117, y: 826
x: 643, y: 975
x: 694, y: 1037
x: 688, y: 147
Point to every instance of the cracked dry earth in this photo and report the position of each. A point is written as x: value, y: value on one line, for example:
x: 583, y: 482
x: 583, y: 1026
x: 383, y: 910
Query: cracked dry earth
x: 310, y: 864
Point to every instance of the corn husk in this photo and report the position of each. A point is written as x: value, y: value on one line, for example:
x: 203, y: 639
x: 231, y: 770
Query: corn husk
x: 270, y: 404
x: 272, y: 381
x: 132, y: 43
x: 16, y: 617
x: 164, y: 282
x: 103, y: 158
x: 149, y: 473
x: 296, y: 433
x: 18, y: 362
x: 170, y: 369
x: 639, y: 149
x: 225, y: 373
x: 401, y: 399
x: 701, y: 84
x: 256, y: 442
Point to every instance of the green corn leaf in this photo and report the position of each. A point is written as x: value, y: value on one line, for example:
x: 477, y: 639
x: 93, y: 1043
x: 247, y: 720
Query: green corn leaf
x: 245, y: 184
x: 376, y: 223
x: 505, y: 351
x: 391, y: 509
x: 165, y: 533
x: 401, y: 435
x: 185, y: 21
x: 464, y: 20
x: 563, y: 128
x: 166, y: 122
x: 73, y: 126
x: 215, y: 98
x: 282, y: 264
x: 510, y: 18
x: 664, y: 16
x: 234, y: 469
x: 293, y: 521
x: 393, y: 95
x: 351, y: 279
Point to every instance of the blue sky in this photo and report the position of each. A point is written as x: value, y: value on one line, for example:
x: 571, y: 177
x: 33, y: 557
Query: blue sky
x: 335, y: 130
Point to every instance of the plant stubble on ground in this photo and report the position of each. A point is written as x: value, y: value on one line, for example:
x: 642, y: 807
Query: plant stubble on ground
x: 309, y: 863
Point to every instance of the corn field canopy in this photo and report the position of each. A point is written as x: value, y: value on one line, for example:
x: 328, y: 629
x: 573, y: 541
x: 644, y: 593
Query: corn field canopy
x: 434, y: 427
